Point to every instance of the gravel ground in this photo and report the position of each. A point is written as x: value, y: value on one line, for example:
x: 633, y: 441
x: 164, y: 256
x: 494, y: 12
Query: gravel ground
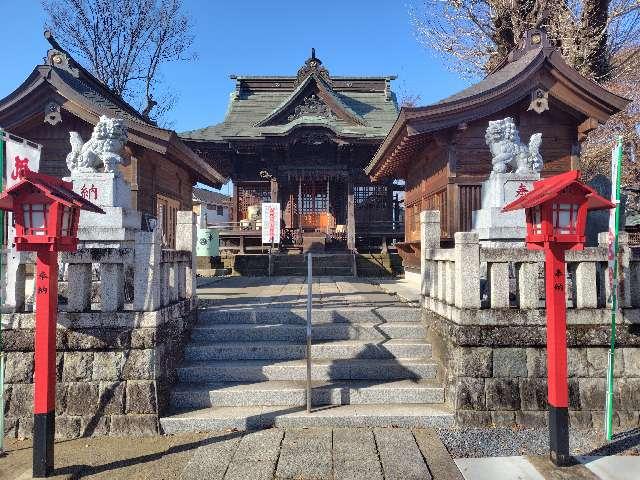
x: 502, y: 442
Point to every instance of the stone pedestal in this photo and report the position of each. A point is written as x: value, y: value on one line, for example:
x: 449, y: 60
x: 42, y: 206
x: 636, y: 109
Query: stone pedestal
x: 494, y: 227
x: 110, y: 192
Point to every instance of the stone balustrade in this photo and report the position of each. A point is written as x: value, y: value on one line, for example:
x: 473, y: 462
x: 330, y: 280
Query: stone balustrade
x: 485, y: 309
x: 470, y: 283
x: 124, y: 316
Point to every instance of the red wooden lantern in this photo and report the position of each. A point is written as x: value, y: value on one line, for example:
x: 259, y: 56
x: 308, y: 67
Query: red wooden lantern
x: 556, y: 213
x: 45, y: 213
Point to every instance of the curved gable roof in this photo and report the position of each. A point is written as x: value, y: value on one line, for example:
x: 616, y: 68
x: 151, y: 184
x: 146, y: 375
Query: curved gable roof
x: 514, y: 81
x: 88, y: 98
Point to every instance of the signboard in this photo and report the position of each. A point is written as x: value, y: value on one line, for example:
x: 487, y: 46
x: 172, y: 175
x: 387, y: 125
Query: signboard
x: 20, y: 157
x: 270, y: 223
x: 208, y: 243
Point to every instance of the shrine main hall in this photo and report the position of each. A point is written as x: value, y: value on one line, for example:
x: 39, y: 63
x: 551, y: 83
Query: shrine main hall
x: 303, y: 141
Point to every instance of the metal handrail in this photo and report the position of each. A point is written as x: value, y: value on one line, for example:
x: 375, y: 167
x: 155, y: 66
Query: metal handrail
x: 309, y: 307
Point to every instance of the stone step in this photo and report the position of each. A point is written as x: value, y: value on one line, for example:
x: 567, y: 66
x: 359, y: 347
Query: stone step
x: 342, y: 271
x: 273, y: 393
x: 322, y: 331
x: 296, y: 370
x: 275, y: 350
x: 252, y: 418
x: 299, y: 316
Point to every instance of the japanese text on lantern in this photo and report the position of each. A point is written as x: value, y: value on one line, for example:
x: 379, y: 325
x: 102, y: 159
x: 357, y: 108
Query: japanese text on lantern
x: 87, y: 192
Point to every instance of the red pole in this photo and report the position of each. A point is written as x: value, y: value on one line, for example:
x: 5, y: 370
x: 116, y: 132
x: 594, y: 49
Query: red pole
x: 46, y: 290
x: 558, y: 390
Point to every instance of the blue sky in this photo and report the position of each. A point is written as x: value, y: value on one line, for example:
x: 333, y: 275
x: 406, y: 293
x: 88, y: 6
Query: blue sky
x: 351, y: 37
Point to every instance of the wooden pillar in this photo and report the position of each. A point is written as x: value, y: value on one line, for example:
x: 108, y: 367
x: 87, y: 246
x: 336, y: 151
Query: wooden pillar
x: 351, y: 218
x: 328, y: 207
x: 274, y: 190
x: 300, y: 204
x: 236, y: 203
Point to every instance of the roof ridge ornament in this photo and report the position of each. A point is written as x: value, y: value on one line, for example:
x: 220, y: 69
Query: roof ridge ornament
x: 313, y: 65
x: 58, y: 57
x: 532, y: 39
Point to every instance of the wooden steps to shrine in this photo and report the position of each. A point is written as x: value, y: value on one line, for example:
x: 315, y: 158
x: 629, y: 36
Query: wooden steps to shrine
x: 246, y: 368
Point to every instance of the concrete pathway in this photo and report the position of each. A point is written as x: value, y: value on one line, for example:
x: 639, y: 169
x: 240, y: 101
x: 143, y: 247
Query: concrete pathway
x: 318, y: 454
x: 540, y: 468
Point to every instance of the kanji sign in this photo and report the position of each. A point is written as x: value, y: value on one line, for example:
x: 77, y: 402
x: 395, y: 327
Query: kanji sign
x: 521, y: 190
x: 21, y: 157
x: 86, y: 192
x: 270, y: 223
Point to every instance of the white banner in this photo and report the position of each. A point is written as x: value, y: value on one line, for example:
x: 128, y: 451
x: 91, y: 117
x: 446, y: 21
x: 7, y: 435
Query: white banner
x: 20, y: 156
x: 611, y: 254
x: 270, y: 223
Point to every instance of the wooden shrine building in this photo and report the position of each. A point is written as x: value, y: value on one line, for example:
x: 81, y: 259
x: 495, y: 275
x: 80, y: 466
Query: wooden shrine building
x: 61, y: 96
x: 303, y: 141
x: 440, y: 150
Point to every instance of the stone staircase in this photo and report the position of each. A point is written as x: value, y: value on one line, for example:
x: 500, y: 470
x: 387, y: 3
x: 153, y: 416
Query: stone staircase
x: 334, y: 264
x: 246, y: 369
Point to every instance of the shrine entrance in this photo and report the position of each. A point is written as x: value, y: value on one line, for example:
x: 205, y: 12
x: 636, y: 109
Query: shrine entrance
x: 315, y: 213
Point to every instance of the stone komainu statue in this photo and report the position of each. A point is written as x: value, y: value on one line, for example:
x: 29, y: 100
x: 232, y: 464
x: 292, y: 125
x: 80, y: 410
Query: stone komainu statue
x: 507, y: 149
x: 101, y: 151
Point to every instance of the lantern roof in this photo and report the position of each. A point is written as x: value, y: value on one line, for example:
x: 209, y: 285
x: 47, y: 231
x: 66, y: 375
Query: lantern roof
x: 54, y: 188
x: 549, y: 188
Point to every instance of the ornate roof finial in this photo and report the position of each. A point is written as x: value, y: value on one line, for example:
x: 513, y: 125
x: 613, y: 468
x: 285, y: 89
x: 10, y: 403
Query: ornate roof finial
x: 313, y: 65
x: 59, y: 57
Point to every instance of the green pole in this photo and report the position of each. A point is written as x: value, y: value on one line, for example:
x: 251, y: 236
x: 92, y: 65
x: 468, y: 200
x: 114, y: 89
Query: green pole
x: 616, y: 174
x: 2, y: 289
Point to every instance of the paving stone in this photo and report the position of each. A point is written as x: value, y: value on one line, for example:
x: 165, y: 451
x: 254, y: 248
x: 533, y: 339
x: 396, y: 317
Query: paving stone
x: 400, y: 456
x: 305, y: 454
x: 211, y: 460
x: 354, y: 455
x: 256, y: 456
x: 440, y: 463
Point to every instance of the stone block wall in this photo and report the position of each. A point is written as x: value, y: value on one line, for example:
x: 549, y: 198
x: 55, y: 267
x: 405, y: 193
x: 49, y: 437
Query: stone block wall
x: 496, y: 375
x: 484, y: 308
x: 113, y: 370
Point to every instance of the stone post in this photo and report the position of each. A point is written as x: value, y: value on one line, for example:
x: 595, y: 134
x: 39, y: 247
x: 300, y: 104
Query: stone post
x: 79, y: 280
x: 186, y: 237
x: 450, y: 294
x: 499, y: 284
x: 146, y: 274
x: 586, y: 287
x: 16, y: 281
x: 467, y: 277
x: 111, y: 287
x: 528, y: 295
x: 429, y: 239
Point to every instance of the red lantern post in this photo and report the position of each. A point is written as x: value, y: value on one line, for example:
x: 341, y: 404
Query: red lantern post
x: 556, y: 212
x: 46, y: 213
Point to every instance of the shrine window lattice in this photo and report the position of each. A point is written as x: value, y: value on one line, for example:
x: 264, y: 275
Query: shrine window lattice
x: 252, y: 195
x: 371, y: 196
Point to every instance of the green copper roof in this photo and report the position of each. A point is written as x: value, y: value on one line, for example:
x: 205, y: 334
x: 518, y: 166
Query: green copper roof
x: 260, y: 107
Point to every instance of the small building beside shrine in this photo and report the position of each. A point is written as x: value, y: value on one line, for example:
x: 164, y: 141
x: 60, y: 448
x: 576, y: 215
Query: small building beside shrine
x: 61, y: 96
x: 303, y: 141
x: 441, y: 152
x: 215, y: 207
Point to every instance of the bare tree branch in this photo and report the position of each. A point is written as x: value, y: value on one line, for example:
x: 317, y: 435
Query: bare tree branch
x: 125, y: 43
